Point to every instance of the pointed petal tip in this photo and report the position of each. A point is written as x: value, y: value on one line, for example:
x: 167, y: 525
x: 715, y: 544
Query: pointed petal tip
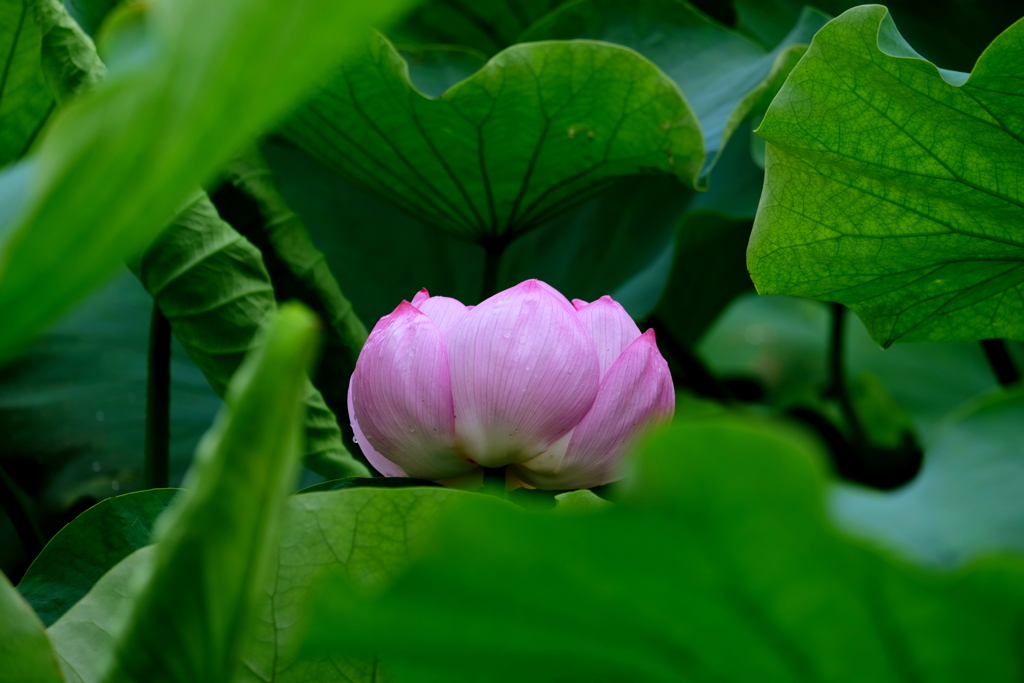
x: 420, y: 297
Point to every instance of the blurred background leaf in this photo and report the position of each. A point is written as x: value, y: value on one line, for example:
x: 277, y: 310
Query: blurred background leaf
x: 26, y: 651
x: 25, y: 104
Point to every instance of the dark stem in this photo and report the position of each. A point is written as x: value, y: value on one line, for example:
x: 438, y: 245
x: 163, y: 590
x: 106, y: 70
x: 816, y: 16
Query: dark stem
x: 494, y: 481
x: 837, y: 374
x: 493, y: 251
x: 21, y: 518
x: 157, y: 467
x: 696, y: 374
x: 999, y: 359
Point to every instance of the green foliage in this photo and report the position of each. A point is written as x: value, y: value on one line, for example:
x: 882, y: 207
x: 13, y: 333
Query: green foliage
x: 25, y: 650
x: 892, y: 187
x: 531, y: 134
x: 83, y: 551
x: 965, y: 502
x: 721, y: 73
x: 721, y: 547
x: 231, y: 68
x: 24, y: 103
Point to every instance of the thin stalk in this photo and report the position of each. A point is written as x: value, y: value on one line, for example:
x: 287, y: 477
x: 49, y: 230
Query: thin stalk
x: 837, y: 386
x: 1000, y: 361
x: 157, y: 467
x: 493, y: 251
x: 21, y: 518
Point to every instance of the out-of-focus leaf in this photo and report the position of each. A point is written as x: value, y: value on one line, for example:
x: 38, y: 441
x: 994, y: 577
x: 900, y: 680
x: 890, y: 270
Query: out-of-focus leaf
x: 25, y: 103
x: 25, y: 650
x: 212, y: 285
x: 90, y: 13
x: 83, y: 551
x: 721, y: 73
x: 85, y: 637
x: 708, y: 272
x: 371, y: 482
x: 367, y: 534
x: 966, y: 501
x: 893, y: 187
x: 72, y: 408
x: 721, y: 547
x: 216, y: 543
x: 539, y: 129
x: 486, y: 25
x: 435, y: 68
x: 230, y: 69
x: 575, y: 502
x: 782, y: 342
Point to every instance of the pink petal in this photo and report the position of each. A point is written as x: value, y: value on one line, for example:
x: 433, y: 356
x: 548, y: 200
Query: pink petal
x: 443, y: 310
x: 524, y: 371
x: 579, y: 304
x: 635, y: 395
x: 420, y: 297
x: 401, y: 395
x: 379, y: 462
x: 611, y: 327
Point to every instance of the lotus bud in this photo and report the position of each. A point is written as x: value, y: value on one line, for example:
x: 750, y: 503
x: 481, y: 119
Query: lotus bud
x: 558, y: 390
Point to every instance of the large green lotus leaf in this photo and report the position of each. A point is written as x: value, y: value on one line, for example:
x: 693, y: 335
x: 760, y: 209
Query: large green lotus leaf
x: 83, y: 551
x: 782, y: 342
x: 486, y: 25
x: 25, y: 650
x: 72, y: 408
x: 539, y: 129
x: 966, y: 500
x: 212, y: 286
x: 723, y: 567
x: 721, y: 73
x: 367, y: 534
x: 25, y: 103
x: 894, y: 188
x: 216, y: 543
x: 230, y: 68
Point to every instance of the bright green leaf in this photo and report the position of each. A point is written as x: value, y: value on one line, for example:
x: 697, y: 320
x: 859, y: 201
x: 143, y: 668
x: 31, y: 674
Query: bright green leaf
x: 216, y: 543
x: 84, y: 550
x: 25, y: 650
x: 721, y: 73
x: 25, y: 103
x: 574, y: 502
x: 966, y: 500
x: 721, y: 547
x: 894, y: 188
x: 539, y: 129
x: 231, y: 68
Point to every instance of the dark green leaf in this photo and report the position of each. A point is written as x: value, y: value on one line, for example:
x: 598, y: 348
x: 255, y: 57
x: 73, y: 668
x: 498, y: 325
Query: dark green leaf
x: 966, y: 500
x: 721, y: 73
x: 211, y: 284
x: 372, y: 482
x: 216, y: 543
x: 231, y: 68
x: 25, y: 103
x: 83, y: 551
x: 90, y: 13
x: 893, y: 187
x: 25, y: 650
x: 540, y: 128
x: 486, y: 25
x: 723, y: 568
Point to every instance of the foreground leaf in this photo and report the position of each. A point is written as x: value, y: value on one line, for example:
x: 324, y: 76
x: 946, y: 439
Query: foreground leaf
x: 966, y: 501
x: 231, y: 68
x: 83, y: 551
x: 721, y: 547
x: 539, y: 129
x: 721, y: 73
x: 25, y: 650
x: 215, y: 544
x: 893, y: 187
x: 24, y: 102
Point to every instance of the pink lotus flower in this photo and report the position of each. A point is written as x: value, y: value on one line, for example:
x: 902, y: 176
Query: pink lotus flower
x: 559, y: 391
